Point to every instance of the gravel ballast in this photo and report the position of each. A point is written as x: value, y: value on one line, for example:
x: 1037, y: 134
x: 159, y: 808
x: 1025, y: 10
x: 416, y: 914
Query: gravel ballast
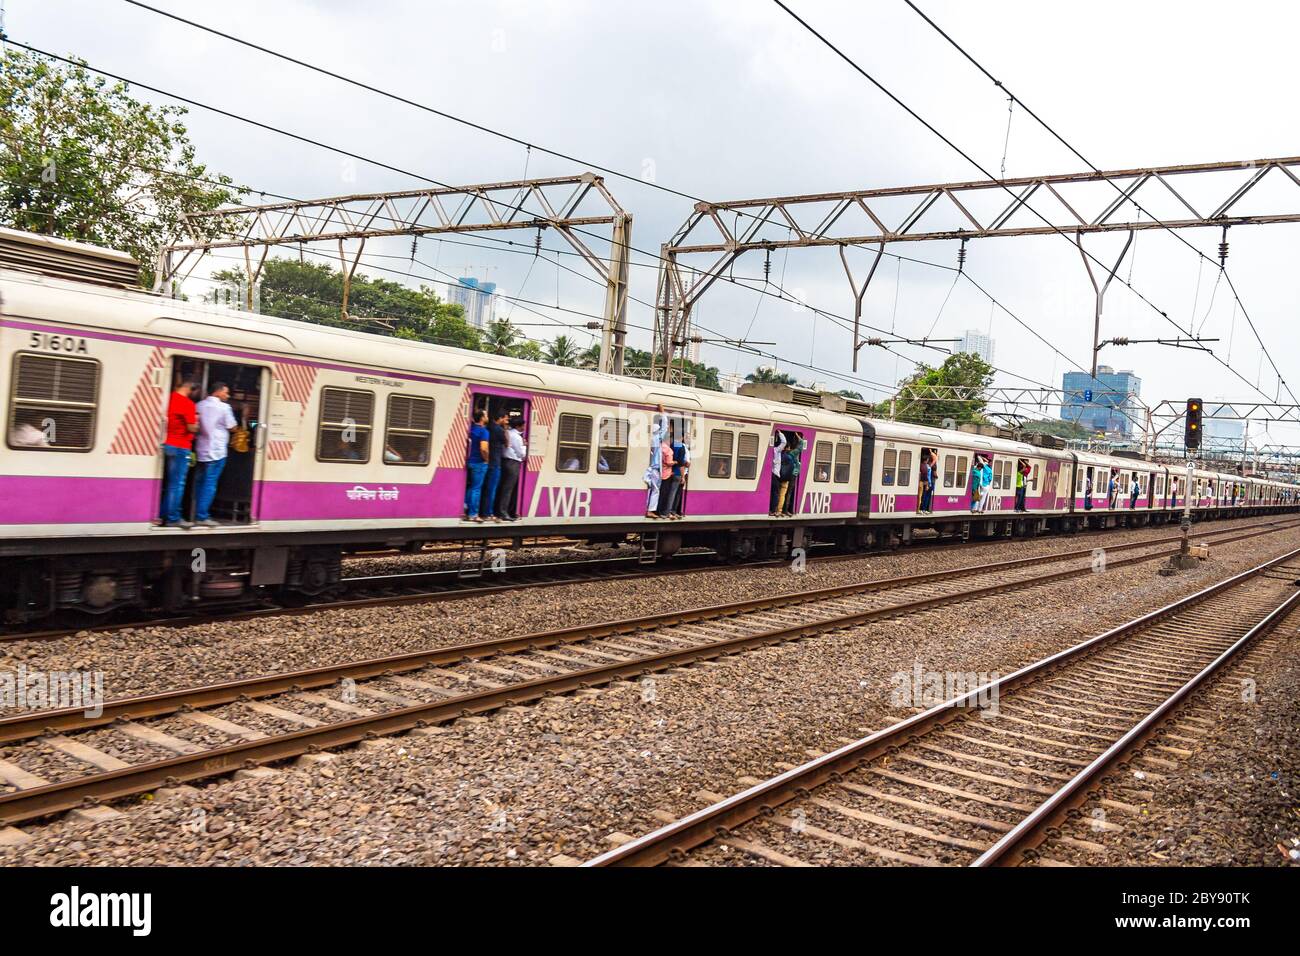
x: 530, y: 783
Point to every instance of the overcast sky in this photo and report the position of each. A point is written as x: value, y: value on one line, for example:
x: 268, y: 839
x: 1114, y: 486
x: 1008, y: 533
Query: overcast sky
x: 728, y: 100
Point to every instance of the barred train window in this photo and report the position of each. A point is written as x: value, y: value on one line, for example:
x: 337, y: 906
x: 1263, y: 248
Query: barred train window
x: 889, y: 471
x: 962, y: 463
x: 843, y: 454
x: 612, y: 439
x: 747, y: 456
x: 408, y: 430
x: 822, y: 461
x: 54, y: 403
x: 904, y: 468
x: 346, y: 418
x: 949, y: 471
x: 573, y: 443
x: 720, y: 442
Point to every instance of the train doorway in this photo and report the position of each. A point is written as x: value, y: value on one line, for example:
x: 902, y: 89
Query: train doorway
x: 235, y: 497
x: 511, y: 490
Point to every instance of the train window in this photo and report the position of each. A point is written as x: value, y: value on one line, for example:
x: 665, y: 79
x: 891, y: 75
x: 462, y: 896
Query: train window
x: 720, y: 443
x: 904, y: 467
x: 747, y: 455
x: 962, y: 464
x: 573, y: 444
x: 346, y: 417
x: 408, y: 430
x: 822, y: 461
x: 844, y: 454
x: 949, y: 471
x: 1002, y: 474
x: 890, y: 470
x: 1033, y: 479
x: 612, y: 458
x: 54, y: 403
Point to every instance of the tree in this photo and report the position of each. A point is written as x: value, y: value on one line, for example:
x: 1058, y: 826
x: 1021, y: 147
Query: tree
x: 500, y: 337
x: 82, y: 159
x: 849, y: 393
x: 766, y: 375
x: 1060, y: 428
x: 562, y: 350
x: 529, y: 351
x: 917, y: 403
x: 590, y: 357
x: 313, y: 292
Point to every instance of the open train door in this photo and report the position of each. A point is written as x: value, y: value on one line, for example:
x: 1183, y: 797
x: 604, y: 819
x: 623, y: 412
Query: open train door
x: 517, y: 405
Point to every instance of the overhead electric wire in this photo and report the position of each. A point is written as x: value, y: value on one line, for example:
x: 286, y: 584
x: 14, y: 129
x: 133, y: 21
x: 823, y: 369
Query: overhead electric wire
x: 396, y: 97
x: 1062, y: 140
x: 974, y: 162
x: 383, y: 165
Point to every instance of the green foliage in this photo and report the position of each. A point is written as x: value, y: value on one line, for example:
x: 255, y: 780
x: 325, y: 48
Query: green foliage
x: 563, y: 351
x: 500, y: 337
x: 313, y: 292
x: 917, y: 404
x: 81, y: 159
x: 766, y: 375
x: 1057, y: 427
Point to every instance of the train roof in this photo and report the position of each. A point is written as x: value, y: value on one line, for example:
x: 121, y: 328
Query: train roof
x: 145, y: 313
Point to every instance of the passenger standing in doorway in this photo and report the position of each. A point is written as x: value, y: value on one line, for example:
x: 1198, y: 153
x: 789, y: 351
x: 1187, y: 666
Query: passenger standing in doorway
x: 668, y: 475
x: 1087, y: 491
x: 216, y: 422
x: 1022, y: 475
x: 976, y: 484
x: 492, y: 479
x: 654, y: 471
x: 182, y: 425
x: 1134, y: 491
x: 927, y: 483
x: 512, y: 462
x: 986, y: 483
x: 1112, y: 492
x: 476, y: 464
x: 795, y: 451
x: 778, y: 450
x: 681, y: 470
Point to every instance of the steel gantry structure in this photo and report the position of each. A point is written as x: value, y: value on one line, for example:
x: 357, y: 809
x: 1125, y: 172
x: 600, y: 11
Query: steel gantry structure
x: 553, y: 203
x: 978, y: 209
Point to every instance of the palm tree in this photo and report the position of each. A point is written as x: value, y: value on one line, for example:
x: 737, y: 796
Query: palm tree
x: 590, y: 357
x: 766, y: 375
x: 500, y: 337
x: 562, y: 350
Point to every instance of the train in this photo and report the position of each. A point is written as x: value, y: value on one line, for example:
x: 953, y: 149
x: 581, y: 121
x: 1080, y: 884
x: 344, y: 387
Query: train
x: 88, y: 359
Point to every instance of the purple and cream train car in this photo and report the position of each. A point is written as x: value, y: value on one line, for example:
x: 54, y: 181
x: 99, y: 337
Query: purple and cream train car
x: 348, y: 441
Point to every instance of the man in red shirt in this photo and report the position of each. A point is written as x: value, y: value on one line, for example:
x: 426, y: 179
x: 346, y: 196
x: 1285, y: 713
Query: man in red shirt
x: 182, y: 423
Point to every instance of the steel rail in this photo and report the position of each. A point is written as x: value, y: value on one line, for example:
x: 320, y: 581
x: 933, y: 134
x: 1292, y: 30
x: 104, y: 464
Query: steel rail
x: 38, y: 802
x: 1019, y: 842
x: 26, y: 726
x: 603, y: 569
x: 718, y: 819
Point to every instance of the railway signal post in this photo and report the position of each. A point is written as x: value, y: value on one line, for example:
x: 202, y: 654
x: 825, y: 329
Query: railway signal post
x: 1192, y: 443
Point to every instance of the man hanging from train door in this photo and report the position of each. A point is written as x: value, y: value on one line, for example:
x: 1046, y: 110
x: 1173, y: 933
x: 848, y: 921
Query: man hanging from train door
x: 654, y: 471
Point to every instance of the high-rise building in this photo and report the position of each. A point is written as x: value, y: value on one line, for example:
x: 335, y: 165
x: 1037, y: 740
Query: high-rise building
x: 975, y: 342
x: 478, y: 299
x: 1223, y: 431
x: 1104, y: 403
x: 731, y: 381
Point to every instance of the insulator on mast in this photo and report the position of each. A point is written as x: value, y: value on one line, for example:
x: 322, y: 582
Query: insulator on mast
x: 1223, y: 249
x: 961, y: 257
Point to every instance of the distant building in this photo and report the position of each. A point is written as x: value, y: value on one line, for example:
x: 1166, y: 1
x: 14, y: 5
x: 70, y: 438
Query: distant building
x: 1223, y: 431
x: 478, y: 299
x: 975, y: 342
x: 731, y: 381
x: 1112, y: 394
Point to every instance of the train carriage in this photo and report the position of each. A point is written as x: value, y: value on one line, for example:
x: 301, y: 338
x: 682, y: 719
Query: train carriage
x: 350, y: 441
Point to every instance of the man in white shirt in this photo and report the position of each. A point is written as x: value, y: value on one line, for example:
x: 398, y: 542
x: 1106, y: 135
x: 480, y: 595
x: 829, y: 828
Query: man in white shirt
x: 513, y: 457
x: 211, y: 446
x: 778, y: 446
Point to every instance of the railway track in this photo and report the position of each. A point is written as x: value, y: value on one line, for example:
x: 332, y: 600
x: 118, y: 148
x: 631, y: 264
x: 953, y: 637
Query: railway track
x: 985, y: 777
x: 442, y: 585
x: 417, y: 690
